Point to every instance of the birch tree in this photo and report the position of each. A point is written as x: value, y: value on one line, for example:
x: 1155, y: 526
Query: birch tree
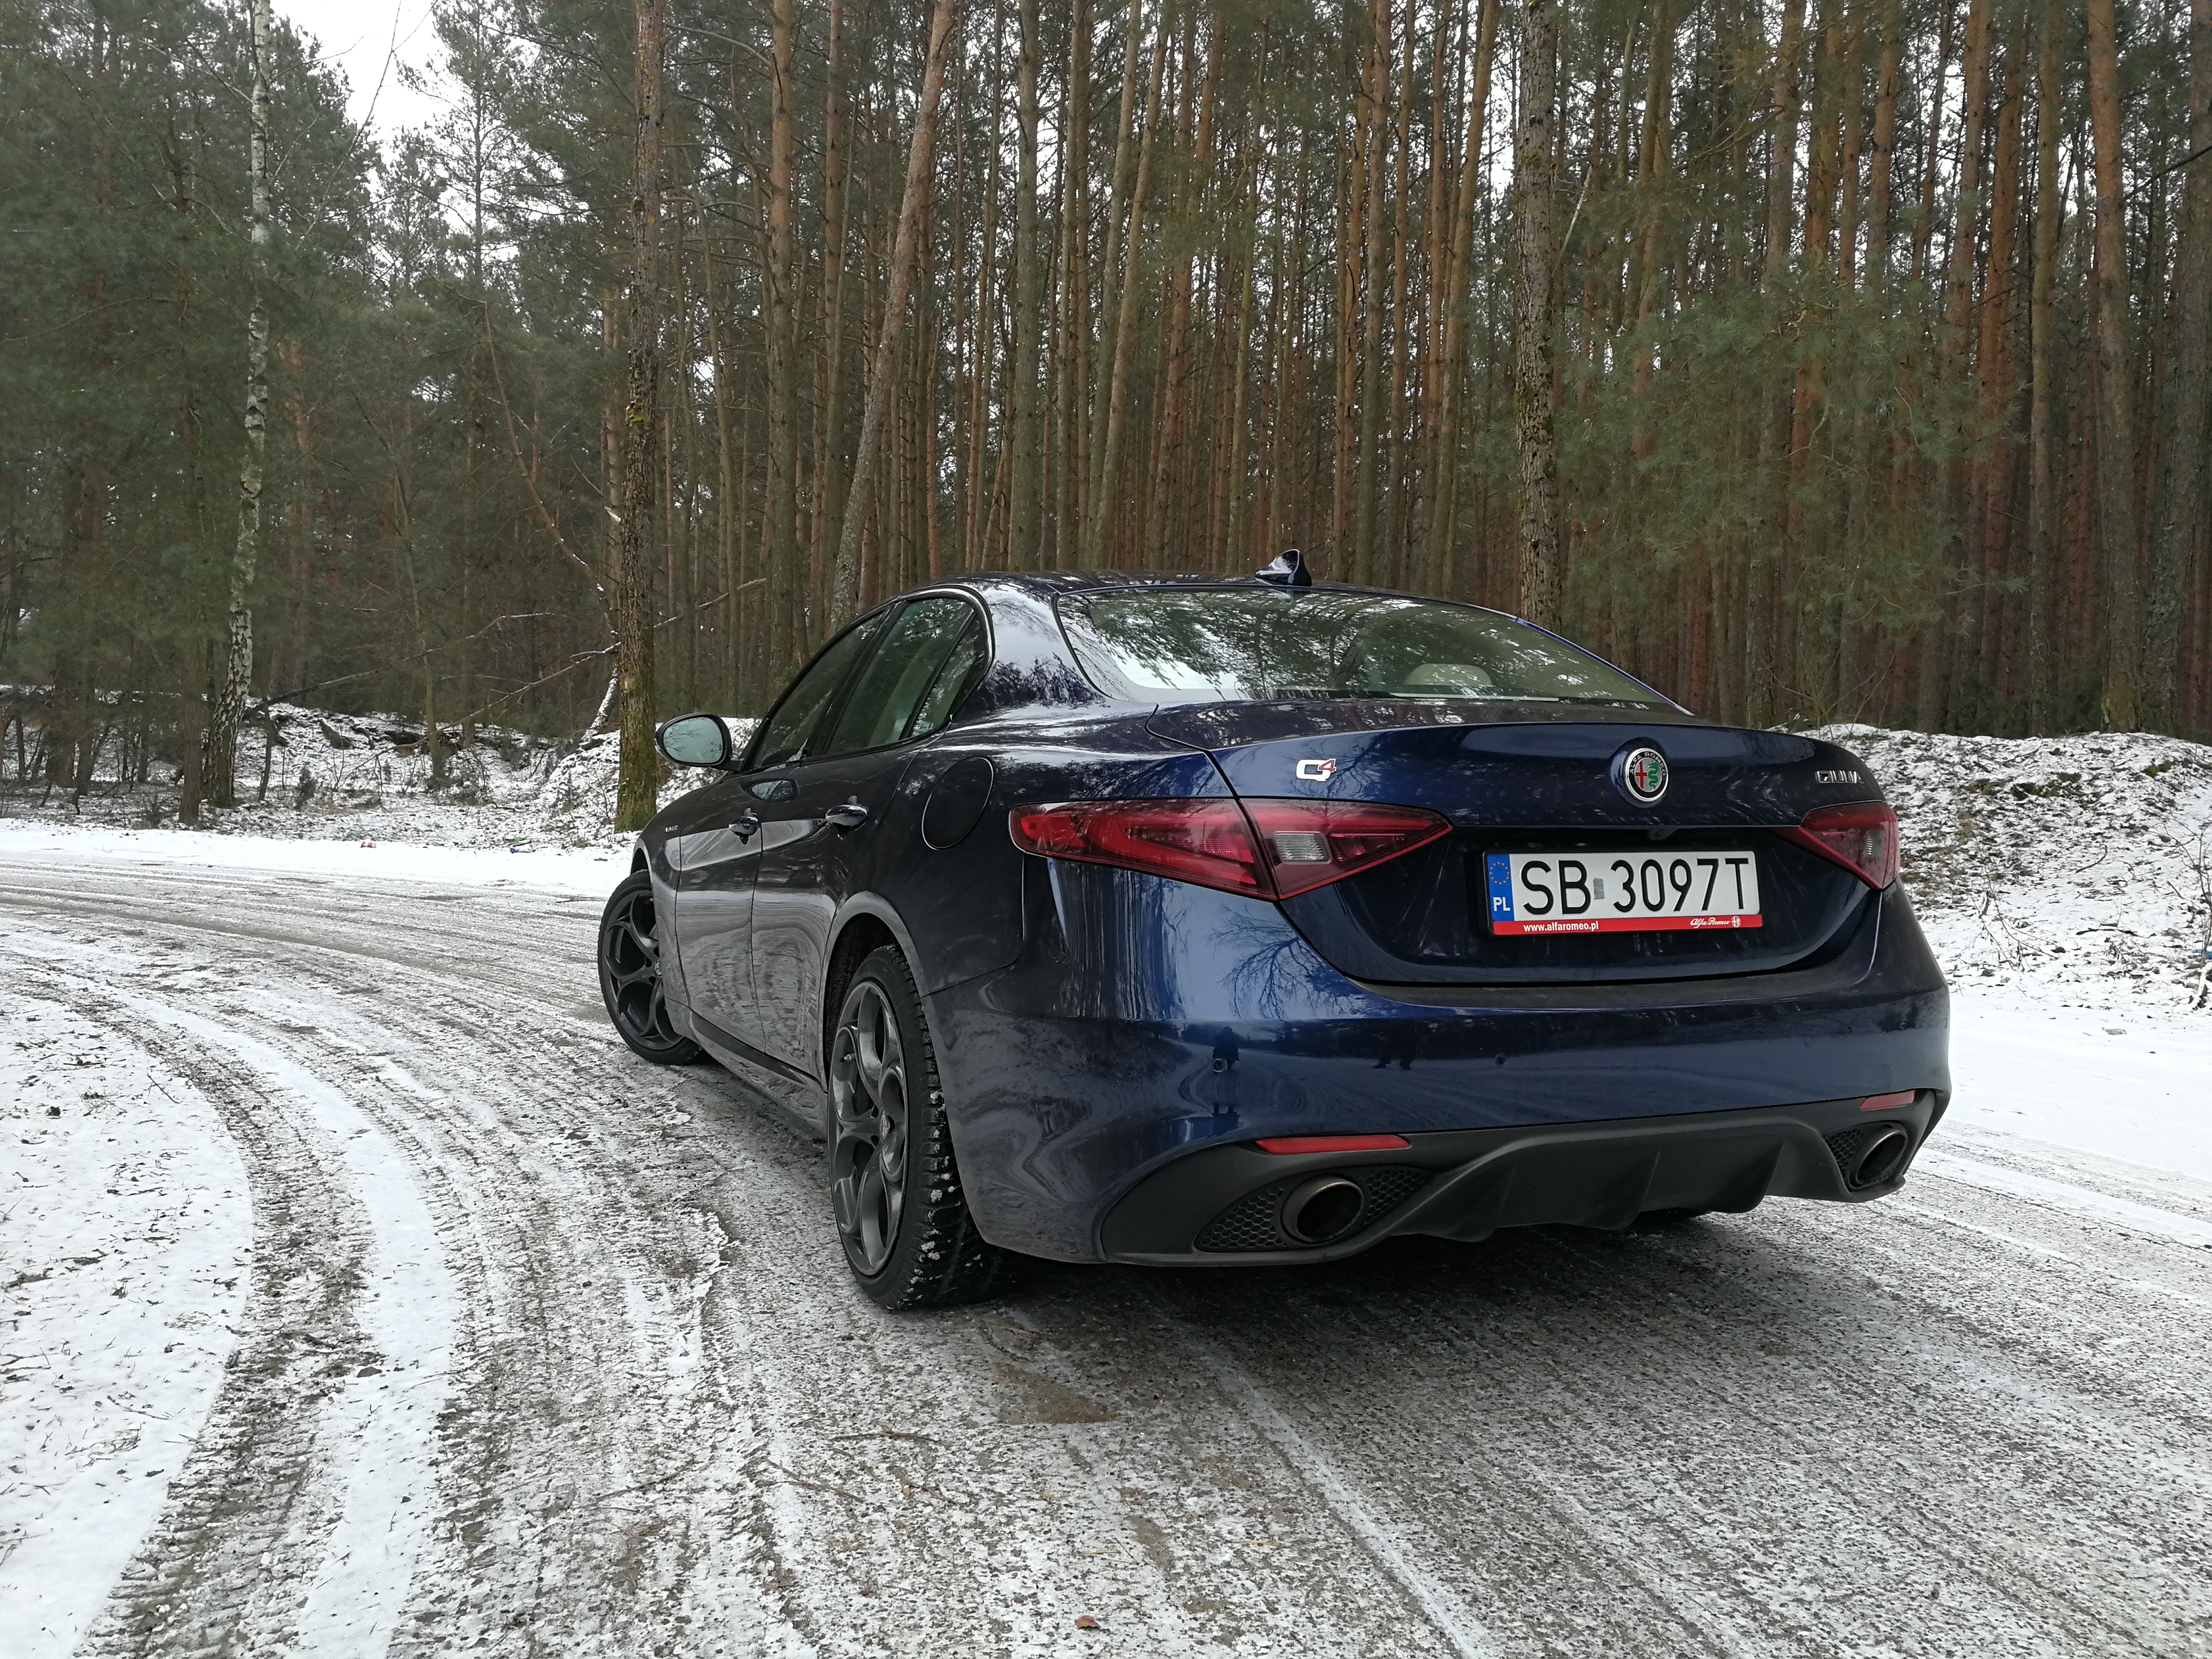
x: 219, y: 748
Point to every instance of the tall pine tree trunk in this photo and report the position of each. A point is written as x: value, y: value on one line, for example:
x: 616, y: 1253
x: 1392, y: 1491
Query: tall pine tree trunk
x: 1989, y: 516
x: 2116, y: 435
x: 1367, y: 459
x: 2181, y: 500
x: 638, y: 780
x: 829, y: 487
x: 1762, y: 592
x: 1026, y: 413
x: 1165, y: 541
x: 844, y: 589
x: 1881, y: 170
x: 1106, y: 479
x: 1439, y: 572
x: 2042, y: 314
x: 779, y: 322
x: 1101, y: 351
x: 1536, y: 314
x: 1944, y: 645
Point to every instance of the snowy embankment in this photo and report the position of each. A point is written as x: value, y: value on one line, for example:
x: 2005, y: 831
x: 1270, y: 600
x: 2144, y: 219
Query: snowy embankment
x: 2066, y: 886
x: 2077, y: 868
x: 360, y: 795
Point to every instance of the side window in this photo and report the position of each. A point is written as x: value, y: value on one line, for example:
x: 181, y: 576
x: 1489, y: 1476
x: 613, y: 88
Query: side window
x: 790, y: 734
x: 961, y: 664
x: 904, y: 669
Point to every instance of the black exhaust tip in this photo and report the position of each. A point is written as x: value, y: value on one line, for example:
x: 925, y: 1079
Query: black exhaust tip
x: 1323, y: 1210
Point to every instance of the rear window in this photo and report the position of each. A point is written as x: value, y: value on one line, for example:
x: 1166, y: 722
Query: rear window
x: 1214, y: 644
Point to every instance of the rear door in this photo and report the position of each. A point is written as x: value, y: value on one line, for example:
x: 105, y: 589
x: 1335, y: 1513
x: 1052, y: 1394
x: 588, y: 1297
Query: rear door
x: 823, y: 843
x: 717, y: 860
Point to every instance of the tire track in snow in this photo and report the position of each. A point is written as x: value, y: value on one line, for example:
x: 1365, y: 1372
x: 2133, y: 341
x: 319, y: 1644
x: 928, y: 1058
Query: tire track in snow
x: 1450, y: 1616
x: 227, y: 1566
x: 515, y: 1039
x: 352, y: 1550
x: 563, y: 1492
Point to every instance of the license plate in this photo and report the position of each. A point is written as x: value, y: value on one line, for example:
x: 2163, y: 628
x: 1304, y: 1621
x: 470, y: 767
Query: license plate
x: 1621, y: 892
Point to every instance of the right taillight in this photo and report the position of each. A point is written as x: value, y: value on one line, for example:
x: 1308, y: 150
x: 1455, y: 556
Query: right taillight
x: 1863, y: 838
x: 1269, y: 850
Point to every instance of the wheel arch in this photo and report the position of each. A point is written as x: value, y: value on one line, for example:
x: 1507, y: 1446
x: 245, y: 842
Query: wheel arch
x: 867, y: 925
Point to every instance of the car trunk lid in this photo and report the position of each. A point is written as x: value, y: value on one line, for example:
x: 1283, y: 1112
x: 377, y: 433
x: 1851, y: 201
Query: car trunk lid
x: 1542, y: 779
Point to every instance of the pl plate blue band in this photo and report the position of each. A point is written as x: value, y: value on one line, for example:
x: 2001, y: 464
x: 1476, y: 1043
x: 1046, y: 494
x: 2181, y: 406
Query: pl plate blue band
x: 1500, y: 866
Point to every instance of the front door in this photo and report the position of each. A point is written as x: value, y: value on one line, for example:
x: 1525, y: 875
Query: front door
x: 826, y: 841
x: 718, y: 859
x: 714, y: 861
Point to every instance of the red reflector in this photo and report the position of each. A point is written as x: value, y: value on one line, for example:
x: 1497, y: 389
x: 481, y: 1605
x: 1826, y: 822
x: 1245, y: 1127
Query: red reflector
x: 1332, y: 1143
x: 1883, y: 1102
x: 1862, y: 838
x: 1266, y: 849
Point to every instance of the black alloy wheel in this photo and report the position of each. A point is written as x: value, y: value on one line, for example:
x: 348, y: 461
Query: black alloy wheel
x: 630, y: 976
x: 901, y: 1212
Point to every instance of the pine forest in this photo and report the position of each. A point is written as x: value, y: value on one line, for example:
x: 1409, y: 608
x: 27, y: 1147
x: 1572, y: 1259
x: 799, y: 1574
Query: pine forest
x: 1816, y: 359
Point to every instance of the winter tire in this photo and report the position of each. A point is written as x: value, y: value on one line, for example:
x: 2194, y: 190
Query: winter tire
x: 894, y: 1184
x: 630, y: 976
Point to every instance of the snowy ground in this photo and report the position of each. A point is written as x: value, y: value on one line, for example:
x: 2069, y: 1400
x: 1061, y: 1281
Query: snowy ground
x: 366, y: 1296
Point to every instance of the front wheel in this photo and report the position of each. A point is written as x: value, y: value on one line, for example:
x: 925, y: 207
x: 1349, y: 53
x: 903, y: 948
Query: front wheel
x: 901, y: 1214
x: 630, y: 976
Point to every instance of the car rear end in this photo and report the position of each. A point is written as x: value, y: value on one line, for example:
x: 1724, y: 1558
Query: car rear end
x: 1442, y: 964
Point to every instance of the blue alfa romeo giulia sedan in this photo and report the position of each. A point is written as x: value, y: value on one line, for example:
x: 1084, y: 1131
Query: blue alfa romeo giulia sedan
x: 1135, y: 917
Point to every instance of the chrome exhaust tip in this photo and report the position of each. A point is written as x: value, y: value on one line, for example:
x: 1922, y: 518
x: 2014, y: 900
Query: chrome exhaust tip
x: 1323, y: 1210
x: 1881, y: 1159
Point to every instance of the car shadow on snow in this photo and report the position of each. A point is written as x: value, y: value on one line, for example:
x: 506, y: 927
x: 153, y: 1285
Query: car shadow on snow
x: 1714, y: 1304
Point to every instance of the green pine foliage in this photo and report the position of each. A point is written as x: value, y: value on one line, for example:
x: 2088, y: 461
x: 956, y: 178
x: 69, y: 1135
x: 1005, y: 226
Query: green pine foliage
x: 1793, y: 487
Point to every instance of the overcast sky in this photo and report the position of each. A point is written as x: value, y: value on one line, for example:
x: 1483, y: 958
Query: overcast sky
x: 368, y: 39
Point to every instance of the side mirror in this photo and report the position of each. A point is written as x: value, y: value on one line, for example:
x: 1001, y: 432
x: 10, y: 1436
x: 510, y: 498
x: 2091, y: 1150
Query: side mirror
x: 694, y: 740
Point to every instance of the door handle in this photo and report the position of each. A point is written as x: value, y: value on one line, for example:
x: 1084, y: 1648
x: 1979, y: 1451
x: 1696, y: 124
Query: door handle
x: 851, y: 816
x: 746, y: 827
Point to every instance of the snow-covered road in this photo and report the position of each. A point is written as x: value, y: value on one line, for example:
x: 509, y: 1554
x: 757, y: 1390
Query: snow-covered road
x: 468, y: 1331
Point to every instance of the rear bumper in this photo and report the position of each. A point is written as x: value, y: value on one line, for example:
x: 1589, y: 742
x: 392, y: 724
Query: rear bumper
x: 1231, y: 1205
x: 1147, y: 1021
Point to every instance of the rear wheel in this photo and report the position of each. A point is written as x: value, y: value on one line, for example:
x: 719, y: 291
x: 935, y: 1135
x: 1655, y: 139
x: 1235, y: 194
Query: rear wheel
x: 630, y: 976
x: 894, y: 1185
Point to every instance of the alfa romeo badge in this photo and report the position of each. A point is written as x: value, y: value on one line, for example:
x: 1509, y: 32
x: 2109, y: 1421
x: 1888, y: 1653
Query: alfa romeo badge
x: 1644, y: 776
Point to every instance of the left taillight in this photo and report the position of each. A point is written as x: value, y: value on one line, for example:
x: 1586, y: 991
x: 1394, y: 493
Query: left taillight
x: 1863, y: 838
x: 1265, y: 848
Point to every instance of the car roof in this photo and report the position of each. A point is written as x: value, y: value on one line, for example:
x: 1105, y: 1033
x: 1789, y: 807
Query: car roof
x: 1048, y: 584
